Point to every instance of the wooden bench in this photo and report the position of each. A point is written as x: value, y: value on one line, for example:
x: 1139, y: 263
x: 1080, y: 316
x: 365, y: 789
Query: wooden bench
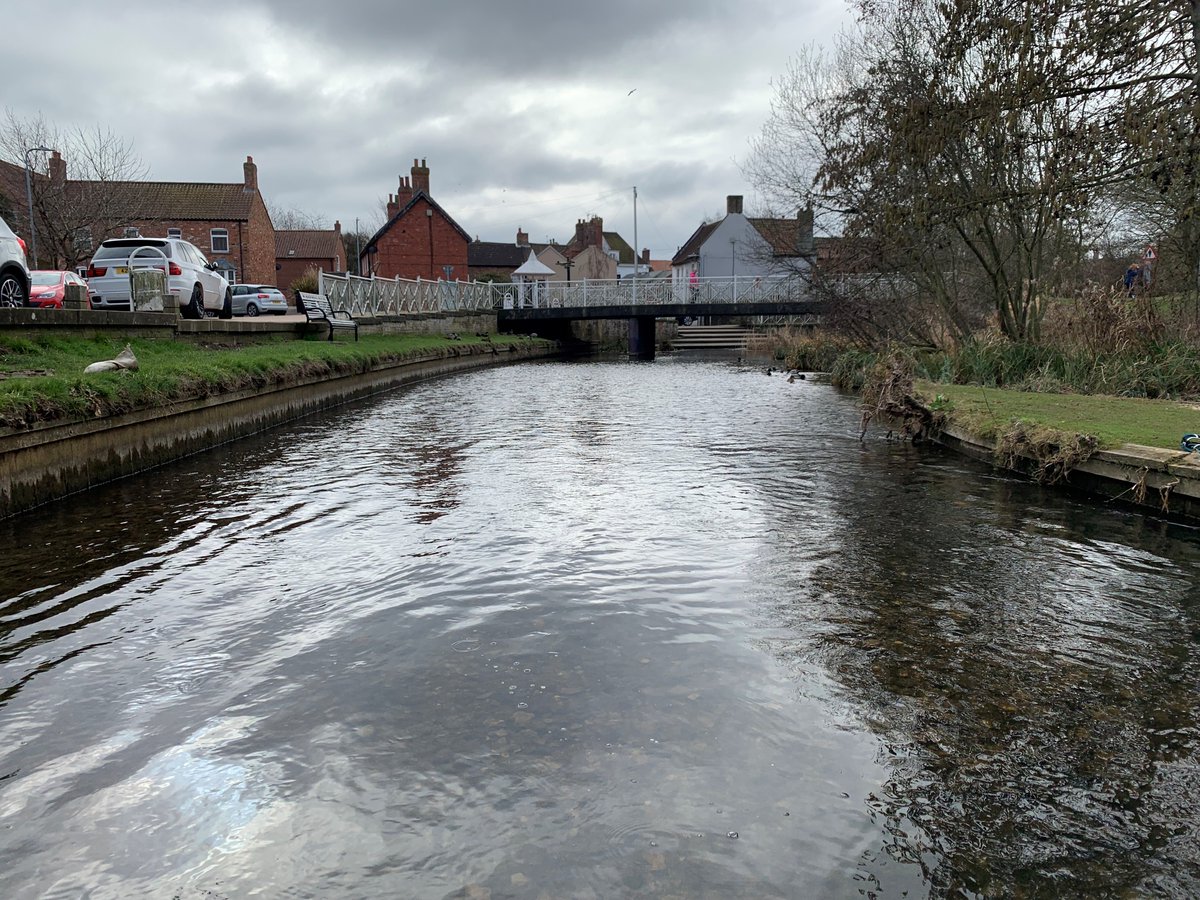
x: 318, y: 309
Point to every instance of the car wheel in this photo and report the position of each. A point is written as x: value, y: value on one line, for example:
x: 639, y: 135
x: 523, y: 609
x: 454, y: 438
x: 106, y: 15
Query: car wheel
x: 227, y: 306
x: 252, y: 309
x: 12, y: 292
x: 195, y: 307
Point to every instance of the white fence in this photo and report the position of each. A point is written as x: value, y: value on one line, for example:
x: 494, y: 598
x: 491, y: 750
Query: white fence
x: 396, y: 297
x: 369, y: 297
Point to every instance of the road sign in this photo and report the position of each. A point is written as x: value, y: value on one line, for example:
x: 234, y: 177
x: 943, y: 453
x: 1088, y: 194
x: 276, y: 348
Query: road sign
x: 1150, y: 254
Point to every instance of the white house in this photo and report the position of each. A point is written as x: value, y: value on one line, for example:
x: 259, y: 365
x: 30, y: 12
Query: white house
x: 740, y: 246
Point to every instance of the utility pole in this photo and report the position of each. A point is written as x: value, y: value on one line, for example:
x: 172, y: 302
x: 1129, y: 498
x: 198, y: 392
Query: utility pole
x: 635, y: 246
x: 357, y: 249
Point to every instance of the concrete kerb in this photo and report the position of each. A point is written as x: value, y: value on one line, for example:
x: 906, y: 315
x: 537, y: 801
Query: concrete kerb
x: 1164, y: 482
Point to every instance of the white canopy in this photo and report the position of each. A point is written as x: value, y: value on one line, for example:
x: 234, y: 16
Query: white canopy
x: 533, y: 267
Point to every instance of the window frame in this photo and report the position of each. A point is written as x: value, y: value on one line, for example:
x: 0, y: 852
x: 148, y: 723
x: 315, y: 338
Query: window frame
x: 214, y: 234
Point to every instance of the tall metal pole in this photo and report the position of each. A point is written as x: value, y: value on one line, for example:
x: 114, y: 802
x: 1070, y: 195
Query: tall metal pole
x: 29, y: 198
x: 357, y: 249
x: 635, y: 246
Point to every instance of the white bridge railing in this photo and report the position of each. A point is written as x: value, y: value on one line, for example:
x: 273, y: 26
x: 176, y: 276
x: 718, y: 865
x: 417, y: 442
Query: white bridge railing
x: 396, y: 297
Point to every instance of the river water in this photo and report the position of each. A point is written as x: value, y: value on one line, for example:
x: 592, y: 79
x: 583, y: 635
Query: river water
x: 595, y: 630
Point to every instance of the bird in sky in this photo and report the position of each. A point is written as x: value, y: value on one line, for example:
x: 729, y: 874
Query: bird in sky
x: 631, y: 92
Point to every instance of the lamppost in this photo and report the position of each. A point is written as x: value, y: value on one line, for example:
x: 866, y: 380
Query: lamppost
x: 29, y: 197
x: 357, y: 249
x: 568, y: 264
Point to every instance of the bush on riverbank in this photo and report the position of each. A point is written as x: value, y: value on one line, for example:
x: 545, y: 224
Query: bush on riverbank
x: 1157, y: 371
x: 42, y: 380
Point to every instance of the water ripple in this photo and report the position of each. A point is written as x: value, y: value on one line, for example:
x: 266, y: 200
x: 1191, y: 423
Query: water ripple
x: 562, y: 629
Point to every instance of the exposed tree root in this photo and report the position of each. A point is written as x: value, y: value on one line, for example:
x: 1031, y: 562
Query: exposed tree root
x: 888, y: 391
x: 1053, y: 454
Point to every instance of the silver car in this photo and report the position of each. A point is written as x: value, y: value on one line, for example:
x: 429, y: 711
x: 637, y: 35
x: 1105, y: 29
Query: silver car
x: 256, y: 299
x: 14, y: 270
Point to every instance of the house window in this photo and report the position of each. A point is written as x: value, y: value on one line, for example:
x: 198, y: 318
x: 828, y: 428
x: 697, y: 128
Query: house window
x: 220, y: 240
x: 226, y: 268
x: 175, y: 232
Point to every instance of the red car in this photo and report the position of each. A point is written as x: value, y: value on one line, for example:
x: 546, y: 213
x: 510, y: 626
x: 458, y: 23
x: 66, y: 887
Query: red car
x: 47, y: 287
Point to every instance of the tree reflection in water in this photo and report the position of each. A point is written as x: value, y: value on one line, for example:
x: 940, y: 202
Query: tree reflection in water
x: 1035, y: 697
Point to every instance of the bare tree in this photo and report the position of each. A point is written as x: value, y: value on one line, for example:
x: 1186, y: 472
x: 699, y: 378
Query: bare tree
x: 974, y: 146
x: 98, y: 197
x: 293, y: 219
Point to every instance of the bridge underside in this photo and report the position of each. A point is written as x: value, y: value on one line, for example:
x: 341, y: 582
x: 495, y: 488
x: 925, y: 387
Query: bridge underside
x: 642, y: 317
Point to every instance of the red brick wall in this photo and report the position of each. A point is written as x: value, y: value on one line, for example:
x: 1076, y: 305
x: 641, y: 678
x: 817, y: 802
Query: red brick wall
x: 258, y: 245
x: 246, y: 244
x: 251, y: 244
x: 404, y: 250
x: 288, y: 270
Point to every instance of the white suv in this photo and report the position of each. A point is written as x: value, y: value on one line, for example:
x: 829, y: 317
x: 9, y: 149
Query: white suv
x: 14, y: 271
x: 200, y: 289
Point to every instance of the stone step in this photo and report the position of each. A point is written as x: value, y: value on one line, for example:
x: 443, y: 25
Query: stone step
x: 710, y: 337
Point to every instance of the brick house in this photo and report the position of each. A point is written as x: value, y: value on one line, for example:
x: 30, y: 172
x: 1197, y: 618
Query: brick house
x: 419, y: 239
x: 590, y: 233
x: 298, y: 251
x: 228, y: 222
x: 496, y: 260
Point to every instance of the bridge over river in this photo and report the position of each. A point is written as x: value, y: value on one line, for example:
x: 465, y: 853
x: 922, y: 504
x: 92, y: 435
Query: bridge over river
x: 521, y: 306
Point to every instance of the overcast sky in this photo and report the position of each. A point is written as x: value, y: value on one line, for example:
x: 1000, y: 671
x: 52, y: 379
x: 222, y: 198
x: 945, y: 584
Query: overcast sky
x: 521, y: 109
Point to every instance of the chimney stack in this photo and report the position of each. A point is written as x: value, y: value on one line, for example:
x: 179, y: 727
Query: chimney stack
x: 589, y: 233
x: 733, y: 204
x: 404, y: 192
x: 420, y: 177
x: 250, y: 174
x: 646, y: 256
x: 392, y: 207
x: 522, y: 238
x: 57, y: 168
x: 337, y: 227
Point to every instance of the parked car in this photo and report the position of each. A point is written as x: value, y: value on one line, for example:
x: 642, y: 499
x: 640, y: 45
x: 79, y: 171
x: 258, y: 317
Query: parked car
x: 195, y: 282
x: 255, y: 299
x: 48, y: 287
x: 14, y: 270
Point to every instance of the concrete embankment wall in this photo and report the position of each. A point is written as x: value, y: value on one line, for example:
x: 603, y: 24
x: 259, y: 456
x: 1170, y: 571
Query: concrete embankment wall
x: 1165, y: 482
x: 51, y: 462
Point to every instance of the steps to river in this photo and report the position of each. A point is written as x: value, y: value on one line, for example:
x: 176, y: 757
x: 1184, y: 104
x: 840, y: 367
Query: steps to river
x: 710, y: 337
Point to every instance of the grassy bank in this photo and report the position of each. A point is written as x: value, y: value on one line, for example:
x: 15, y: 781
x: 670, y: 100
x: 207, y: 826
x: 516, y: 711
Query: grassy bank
x: 42, y: 380
x: 990, y: 413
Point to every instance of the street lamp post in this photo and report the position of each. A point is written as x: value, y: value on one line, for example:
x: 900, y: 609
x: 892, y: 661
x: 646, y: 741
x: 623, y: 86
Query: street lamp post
x: 29, y: 198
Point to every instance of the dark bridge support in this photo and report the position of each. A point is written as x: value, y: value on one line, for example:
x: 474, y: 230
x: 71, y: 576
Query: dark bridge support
x: 641, y: 337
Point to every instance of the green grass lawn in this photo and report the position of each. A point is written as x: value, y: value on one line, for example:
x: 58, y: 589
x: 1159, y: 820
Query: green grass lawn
x: 42, y: 380
x: 1113, y: 420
